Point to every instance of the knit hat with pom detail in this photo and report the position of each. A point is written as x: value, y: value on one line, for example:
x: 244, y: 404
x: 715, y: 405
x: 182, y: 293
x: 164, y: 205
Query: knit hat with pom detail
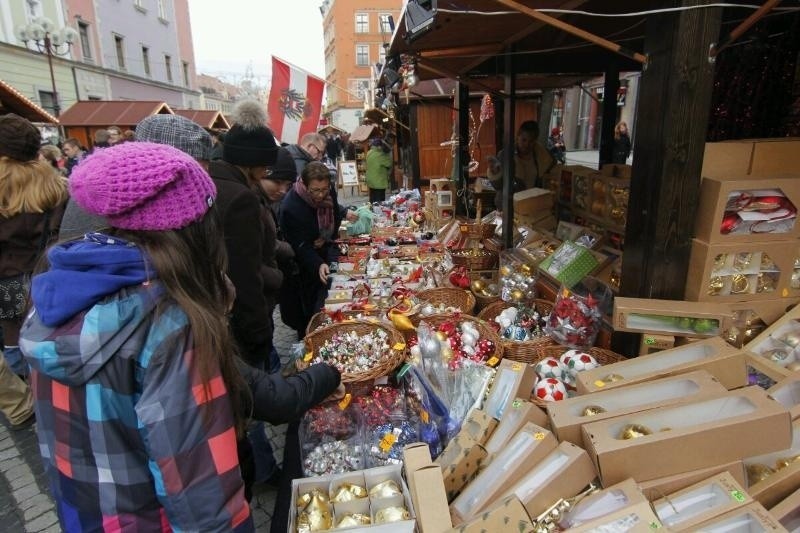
x: 143, y: 186
x: 249, y: 142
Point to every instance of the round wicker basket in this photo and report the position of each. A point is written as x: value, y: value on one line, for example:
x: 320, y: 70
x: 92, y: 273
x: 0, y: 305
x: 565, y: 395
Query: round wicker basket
x: 484, y: 329
x: 461, y: 299
x: 323, y: 318
x: 316, y: 339
x: 601, y: 355
x: 482, y: 302
x: 522, y: 351
x: 474, y: 259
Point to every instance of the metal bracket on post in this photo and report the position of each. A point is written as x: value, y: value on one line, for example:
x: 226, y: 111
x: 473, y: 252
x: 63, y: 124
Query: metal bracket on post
x: 712, y: 56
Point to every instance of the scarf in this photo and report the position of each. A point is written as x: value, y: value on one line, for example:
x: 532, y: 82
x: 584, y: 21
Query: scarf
x: 323, y: 208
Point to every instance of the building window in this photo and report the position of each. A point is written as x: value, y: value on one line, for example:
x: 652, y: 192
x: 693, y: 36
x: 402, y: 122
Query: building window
x: 86, y: 48
x: 362, y: 23
x: 162, y: 10
x: 139, y: 4
x: 185, y: 74
x: 382, y: 55
x: 362, y: 55
x: 168, y: 66
x: 146, y: 60
x: 357, y: 89
x: 47, y: 101
x: 119, y: 45
x: 385, y: 26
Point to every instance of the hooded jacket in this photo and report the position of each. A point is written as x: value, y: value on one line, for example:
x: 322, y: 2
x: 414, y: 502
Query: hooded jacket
x: 130, y: 437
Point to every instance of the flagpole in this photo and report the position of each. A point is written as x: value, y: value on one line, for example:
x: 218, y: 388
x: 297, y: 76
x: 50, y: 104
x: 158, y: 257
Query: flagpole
x: 381, y: 111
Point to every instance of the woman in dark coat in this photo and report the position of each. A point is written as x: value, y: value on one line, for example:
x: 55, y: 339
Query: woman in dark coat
x: 622, y: 144
x: 310, y: 219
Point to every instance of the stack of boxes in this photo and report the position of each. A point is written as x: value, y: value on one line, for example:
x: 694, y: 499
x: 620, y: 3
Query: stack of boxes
x: 746, y: 251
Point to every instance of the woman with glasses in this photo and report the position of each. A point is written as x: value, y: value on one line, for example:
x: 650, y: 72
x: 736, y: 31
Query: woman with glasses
x: 310, y: 218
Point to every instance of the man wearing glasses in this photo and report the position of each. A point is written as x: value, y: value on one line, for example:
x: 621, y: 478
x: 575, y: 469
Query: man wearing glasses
x: 310, y: 148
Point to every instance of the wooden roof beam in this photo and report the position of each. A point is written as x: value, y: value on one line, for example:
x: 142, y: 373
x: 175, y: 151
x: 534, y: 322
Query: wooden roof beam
x: 574, y: 30
x: 739, y: 30
x: 460, y: 51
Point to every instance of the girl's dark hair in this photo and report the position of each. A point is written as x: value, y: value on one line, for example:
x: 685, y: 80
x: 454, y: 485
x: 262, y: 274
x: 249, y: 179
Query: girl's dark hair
x: 315, y: 171
x: 191, y: 264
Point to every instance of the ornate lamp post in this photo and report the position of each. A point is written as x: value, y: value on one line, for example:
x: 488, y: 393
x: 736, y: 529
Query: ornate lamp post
x: 48, y: 40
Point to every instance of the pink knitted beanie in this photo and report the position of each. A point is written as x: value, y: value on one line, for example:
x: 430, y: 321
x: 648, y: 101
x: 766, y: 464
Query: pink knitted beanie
x: 143, y: 186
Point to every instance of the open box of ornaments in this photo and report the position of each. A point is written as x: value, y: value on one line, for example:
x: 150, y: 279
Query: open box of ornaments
x: 376, y: 499
x: 778, y: 346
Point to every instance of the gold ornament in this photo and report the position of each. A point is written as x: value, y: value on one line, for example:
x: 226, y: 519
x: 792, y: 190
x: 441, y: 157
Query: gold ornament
x: 400, y: 320
x: 592, y: 410
x: 739, y: 284
x: 612, y: 378
x: 786, y: 461
x: 347, y: 492
x: 525, y: 268
x: 351, y: 520
x: 765, y: 282
x: 634, y: 431
x: 478, y: 286
x: 757, y: 472
x: 385, y: 489
x: 505, y: 270
x: 391, y: 514
x: 715, y: 285
x: 517, y: 295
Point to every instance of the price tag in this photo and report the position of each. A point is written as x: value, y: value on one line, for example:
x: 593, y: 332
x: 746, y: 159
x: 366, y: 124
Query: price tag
x: 387, y: 442
x: 517, y: 403
x: 516, y: 367
x: 424, y: 416
x: 738, y: 496
x: 492, y: 361
x: 538, y: 435
x: 308, y: 357
x: 399, y: 346
x: 599, y: 383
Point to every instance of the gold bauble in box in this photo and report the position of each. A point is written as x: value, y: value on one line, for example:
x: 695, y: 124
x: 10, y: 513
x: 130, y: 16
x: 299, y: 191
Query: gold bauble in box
x: 757, y: 472
x: 517, y: 295
x: 525, y: 269
x: 592, y: 410
x: 505, y: 270
x: 634, y: 431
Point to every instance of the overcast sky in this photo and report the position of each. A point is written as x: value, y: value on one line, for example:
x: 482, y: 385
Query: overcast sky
x: 230, y: 34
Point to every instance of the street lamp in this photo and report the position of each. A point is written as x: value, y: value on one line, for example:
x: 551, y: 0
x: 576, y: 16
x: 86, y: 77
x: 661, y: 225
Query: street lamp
x: 48, y: 40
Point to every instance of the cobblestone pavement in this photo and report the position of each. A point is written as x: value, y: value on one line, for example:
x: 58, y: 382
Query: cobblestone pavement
x: 25, y: 502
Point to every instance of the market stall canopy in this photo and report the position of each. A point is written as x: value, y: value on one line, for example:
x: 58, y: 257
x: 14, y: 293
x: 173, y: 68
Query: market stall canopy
x: 13, y: 101
x: 104, y: 113
x: 362, y: 133
x: 471, y: 44
x: 206, y: 118
x: 331, y: 129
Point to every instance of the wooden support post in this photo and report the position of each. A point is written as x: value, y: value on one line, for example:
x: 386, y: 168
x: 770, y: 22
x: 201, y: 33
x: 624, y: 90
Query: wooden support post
x: 413, y: 123
x: 545, y: 115
x: 509, y: 145
x: 611, y: 86
x: 461, y: 159
x: 673, y: 110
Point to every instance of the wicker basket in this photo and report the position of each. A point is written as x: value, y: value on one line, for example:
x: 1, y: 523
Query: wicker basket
x: 461, y: 299
x: 474, y: 259
x: 601, y: 355
x: 315, y: 340
x: 484, y: 329
x: 321, y: 319
x: 523, y: 351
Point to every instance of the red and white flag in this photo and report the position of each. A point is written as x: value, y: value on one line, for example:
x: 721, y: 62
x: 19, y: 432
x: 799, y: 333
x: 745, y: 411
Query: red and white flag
x: 295, y: 101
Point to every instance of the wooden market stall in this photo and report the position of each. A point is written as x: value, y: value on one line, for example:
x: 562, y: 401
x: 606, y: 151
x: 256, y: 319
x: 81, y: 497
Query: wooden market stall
x: 13, y: 101
x: 85, y: 117
x: 208, y: 118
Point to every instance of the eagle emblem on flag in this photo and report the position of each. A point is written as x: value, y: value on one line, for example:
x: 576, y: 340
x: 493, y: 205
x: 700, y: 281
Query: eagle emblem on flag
x: 294, y: 104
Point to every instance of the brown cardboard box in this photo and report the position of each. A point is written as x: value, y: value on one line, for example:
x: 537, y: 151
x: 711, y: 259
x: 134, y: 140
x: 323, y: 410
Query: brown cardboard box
x: 514, y: 418
x: 508, y: 515
x: 478, y: 426
x: 776, y: 156
x: 566, y: 417
x: 768, y: 341
x: 460, y: 462
x: 766, y: 264
x: 671, y: 317
x: 527, y: 448
x: 634, y: 516
x: 684, y: 509
x: 660, y: 487
x: 715, y: 194
x: 751, y: 318
x: 512, y: 380
x: 567, y: 231
x: 688, y: 436
x: 562, y: 474
x: 764, y: 372
x: 727, y: 158
x: 787, y: 393
x: 713, y: 355
x: 751, y: 517
x: 427, y: 489
x: 774, y: 488
x: 533, y: 201
x: 787, y: 512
